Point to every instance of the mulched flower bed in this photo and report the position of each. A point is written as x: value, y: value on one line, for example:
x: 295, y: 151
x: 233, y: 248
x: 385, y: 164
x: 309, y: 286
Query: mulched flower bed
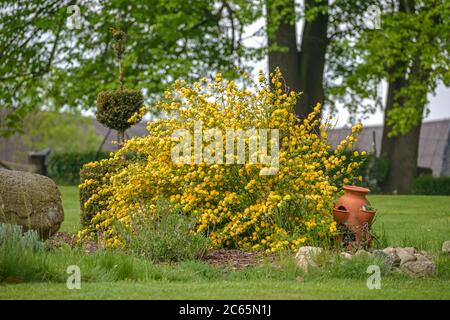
x: 60, y: 238
x: 235, y: 259
x: 224, y: 258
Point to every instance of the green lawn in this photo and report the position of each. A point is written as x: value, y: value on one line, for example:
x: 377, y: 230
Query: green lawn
x: 421, y: 221
x: 327, y: 289
x: 71, y: 203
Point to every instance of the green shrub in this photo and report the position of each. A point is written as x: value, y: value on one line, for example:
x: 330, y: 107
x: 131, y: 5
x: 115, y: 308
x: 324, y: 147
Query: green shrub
x: 167, y: 236
x: 372, y: 169
x: 64, y: 168
x: 20, y: 254
x: 23, y: 258
x: 93, y: 178
x: 115, y: 107
x: 429, y: 185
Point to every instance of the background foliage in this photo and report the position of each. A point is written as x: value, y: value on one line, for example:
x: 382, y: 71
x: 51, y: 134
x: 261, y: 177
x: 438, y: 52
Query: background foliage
x: 64, y: 167
x: 46, y: 64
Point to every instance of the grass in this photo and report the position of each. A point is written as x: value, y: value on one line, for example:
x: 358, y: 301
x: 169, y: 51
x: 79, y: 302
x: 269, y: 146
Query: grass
x: 71, y: 203
x: 327, y: 289
x: 418, y: 221
x: 421, y: 221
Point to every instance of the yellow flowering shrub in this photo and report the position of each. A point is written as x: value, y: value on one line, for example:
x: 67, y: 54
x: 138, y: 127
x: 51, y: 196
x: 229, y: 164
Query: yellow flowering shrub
x: 232, y: 203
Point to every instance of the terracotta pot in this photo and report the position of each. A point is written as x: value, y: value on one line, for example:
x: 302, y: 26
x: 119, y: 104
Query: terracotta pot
x: 340, y: 216
x: 353, y: 201
x: 366, y: 216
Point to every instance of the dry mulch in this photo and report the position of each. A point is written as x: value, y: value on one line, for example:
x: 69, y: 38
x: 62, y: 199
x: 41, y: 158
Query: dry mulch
x: 60, y: 238
x: 235, y: 259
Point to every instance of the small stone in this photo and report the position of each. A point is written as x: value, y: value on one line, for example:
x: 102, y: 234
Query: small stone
x: 394, y: 259
x: 299, y: 279
x: 407, y: 250
x: 390, y: 250
x: 406, y: 255
x: 426, y: 254
x: 421, y: 257
x: 346, y: 255
x: 389, y: 260
x: 418, y: 268
x: 446, y: 247
x: 306, y: 256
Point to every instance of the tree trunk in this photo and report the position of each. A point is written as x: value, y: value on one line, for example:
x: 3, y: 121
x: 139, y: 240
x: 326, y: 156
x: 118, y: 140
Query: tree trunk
x: 120, y: 138
x: 283, y: 35
x: 312, y: 64
x: 402, y: 150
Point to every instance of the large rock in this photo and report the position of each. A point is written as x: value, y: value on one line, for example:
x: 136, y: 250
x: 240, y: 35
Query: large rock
x: 30, y: 200
x: 306, y: 256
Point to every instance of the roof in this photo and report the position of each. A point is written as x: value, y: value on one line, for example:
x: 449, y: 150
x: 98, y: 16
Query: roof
x: 136, y: 130
x: 434, y: 149
x: 434, y: 145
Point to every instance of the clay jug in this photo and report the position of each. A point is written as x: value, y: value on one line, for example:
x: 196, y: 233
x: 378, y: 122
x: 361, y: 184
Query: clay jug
x: 354, y: 201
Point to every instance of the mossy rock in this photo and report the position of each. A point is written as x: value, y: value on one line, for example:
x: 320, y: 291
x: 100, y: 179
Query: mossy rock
x: 115, y: 107
x: 31, y: 201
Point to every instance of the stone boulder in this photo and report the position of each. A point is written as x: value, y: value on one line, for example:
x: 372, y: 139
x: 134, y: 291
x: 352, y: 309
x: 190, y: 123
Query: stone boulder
x: 30, y: 200
x: 306, y: 256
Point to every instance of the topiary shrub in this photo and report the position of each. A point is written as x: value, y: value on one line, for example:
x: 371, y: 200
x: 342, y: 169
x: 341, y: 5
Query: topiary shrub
x: 119, y: 109
x: 429, y: 185
x: 116, y: 107
x: 64, y: 167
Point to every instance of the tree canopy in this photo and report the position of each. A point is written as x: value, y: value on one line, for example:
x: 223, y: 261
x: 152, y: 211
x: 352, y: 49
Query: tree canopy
x: 412, y: 42
x: 45, y: 63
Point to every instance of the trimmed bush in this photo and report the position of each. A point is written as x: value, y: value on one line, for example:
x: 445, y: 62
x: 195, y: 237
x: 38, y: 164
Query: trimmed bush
x: 429, y: 185
x: 94, y: 177
x: 116, y: 107
x: 64, y: 168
